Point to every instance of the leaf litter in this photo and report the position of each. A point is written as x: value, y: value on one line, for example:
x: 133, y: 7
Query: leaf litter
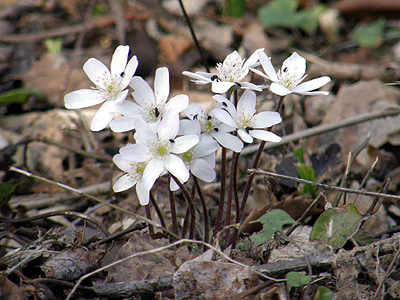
x: 37, y: 131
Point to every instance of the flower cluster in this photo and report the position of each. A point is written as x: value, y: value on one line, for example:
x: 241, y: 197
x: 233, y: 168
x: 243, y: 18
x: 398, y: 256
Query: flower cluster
x: 166, y: 144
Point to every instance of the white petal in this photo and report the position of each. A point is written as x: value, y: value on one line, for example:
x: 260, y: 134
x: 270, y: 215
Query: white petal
x: 173, y: 186
x: 142, y: 92
x: 265, y: 136
x: 161, y: 85
x: 144, y: 132
x: 295, y: 64
x: 193, y: 110
x: 279, y: 90
x: 129, y: 109
x: 250, y: 86
x: 247, y: 103
x: 121, y: 163
x: 142, y: 193
x: 82, y: 98
x: 245, y: 136
x: 124, y: 183
x: 123, y: 124
x: 226, y: 104
x: 129, y: 72
x: 152, y: 171
x: 267, y: 66
x: 184, y: 143
x: 311, y: 85
x: 253, y: 59
x: 101, y: 119
x: 95, y: 69
x: 136, y: 153
x: 119, y: 60
x: 224, y: 117
x: 189, y: 127
x: 178, y: 103
x: 176, y: 167
x: 203, y: 170
x: 169, y: 126
x: 205, y: 147
x: 316, y: 93
x: 201, y: 77
x: 221, y: 87
x: 266, y: 119
x: 120, y: 97
x: 228, y: 141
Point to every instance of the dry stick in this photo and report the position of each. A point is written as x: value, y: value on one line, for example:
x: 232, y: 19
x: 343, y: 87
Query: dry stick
x: 376, y: 203
x: 68, y: 188
x: 158, y: 210
x: 58, y: 213
x: 189, y: 23
x: 366, y: 177
x: 173, y: 245
x: 321, y: 129
x: 205, y: 210
x: 391, y: 267
x: 221, y: 196
x: 351, y: 159
x: 325, y: 186
x: 189, y: 201
x: 111, y: 237
x: 305, y: 214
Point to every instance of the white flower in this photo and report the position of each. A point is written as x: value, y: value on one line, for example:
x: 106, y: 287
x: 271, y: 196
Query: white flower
x: 230, y: 73
x: 200, y: 161
x: 289, y: 77
x: 245, y: 118
x: 158, y: 147
x: 150, y: 106
x: 209, y: 127
x: 110, y: 86
x: 133, y: 176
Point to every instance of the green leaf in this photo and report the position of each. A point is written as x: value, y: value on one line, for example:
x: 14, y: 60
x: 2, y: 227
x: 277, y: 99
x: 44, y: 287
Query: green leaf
x: 296, y: 279
x: 310, y: 18
x: 235, y: 8
x: 307, y: 172
x: 7, y: 189
x: 279, y: 13
x: 272, y: 221
x: 18, y: 96
x: 370, y: 35
x: 336, y: 225
x: 323, y: 293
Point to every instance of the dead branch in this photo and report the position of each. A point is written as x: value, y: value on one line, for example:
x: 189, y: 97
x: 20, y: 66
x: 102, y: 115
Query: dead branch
x: 128, y: 289
x: 346, y: 71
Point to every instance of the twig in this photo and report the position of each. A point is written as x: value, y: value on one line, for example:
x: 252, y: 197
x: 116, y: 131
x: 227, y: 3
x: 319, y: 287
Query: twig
x: 68, y: 188
x: 347, y: 71
x: 325, y: 186
x: 305, y: 214
x: 58, y: 213
x: 391, y: 267
x: 173, y: 245
x: 321, y: 129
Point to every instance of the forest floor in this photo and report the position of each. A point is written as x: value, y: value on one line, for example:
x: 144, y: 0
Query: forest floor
x: 64, y: 233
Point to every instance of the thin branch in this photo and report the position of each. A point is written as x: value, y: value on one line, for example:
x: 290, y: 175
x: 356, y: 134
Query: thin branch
x: 325, y: 186
x: 173, y: 245
x: 321, y: 129
x: 68, y: 188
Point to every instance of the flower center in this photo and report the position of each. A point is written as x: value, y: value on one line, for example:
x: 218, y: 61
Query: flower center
x: 231, y: 69
x: 161, y: 149
x: 188, y: 157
